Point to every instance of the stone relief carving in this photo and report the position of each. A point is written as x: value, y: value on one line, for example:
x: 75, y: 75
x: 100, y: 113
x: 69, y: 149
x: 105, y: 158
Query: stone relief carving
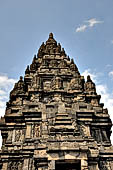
x: 75, y: 84
x: 53, y: 63
x: 85, y: 130
x: 104, y: 165
x: 15, y: 165
x: 56, y: 83
x: 63, y: 64
x: 9, y: 138
x: 19, y: 135
x: 36, y: 131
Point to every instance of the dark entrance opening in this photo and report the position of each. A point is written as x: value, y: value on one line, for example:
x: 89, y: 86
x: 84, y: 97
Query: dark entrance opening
x: 68, y: 165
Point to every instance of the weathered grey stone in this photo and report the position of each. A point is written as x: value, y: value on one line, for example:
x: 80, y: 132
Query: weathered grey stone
x: 54, y: 119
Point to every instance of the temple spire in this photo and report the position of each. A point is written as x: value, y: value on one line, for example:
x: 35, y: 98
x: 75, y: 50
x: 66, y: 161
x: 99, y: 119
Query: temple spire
x: 51, y: 35
x: 54, y: 119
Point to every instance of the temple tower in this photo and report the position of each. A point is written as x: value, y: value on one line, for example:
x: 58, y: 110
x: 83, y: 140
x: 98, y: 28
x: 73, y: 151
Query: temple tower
x: 54, y: 119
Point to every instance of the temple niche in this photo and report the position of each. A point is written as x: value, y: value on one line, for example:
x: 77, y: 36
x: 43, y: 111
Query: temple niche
x: 54, y: 119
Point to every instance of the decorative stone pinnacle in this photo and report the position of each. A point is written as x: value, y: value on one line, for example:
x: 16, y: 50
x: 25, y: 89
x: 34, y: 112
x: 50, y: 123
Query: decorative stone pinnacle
x: 51, y: 35
x: 63, y: 50
x: 51, y: 40
x: 72, y: 61
x: 35, y: 56
x: 21, y: 78
x: 88, y: 78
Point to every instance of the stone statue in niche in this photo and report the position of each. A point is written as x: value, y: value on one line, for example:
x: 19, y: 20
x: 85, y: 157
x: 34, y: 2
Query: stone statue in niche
x: 19, y: 135
x: 53, y: 63
x: 9, y: 138
x: 62, y: 64
x: 75, y: 84
x: 50, y: 48
x: 36, y: 131
x: 52, y: 51
x: 47, y: 85
x: 94, y: 102
x: 85, y: 130
x: 57, y: 83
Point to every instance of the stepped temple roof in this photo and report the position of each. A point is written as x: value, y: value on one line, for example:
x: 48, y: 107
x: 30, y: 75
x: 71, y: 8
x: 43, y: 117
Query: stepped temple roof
x: 54, y: 118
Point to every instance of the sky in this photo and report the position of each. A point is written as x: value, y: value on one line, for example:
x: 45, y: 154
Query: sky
x: 83, y: 27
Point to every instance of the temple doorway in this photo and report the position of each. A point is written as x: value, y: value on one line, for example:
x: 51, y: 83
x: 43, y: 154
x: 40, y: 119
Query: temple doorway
x: 68, y: 165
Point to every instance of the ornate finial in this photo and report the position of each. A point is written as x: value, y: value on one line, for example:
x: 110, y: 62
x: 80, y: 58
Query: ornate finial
x: 72, y: 61
x: 90, y: 86
x: 59, y: 46
x: 21, y: 78
x: 51, y: 35
x: 63, y: 50
x: 68, y: 58
x: 42, y: 45
x: 35, y: 57
x: 88, y: 78
x: 27, y: 70
x: 28, y: 67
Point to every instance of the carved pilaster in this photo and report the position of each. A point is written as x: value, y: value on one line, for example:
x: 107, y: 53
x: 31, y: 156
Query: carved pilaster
x: 84, y: 164
x: 28, y: 131
x: 5, y: 166
x: 26, y: 164
x: 51, y: 165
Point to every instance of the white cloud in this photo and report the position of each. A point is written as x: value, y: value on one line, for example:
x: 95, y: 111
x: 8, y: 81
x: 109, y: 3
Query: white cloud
x: 82, y: 28
x: 110, y: 74
x: 6, y: 82
x: 6, y: 85
x: 90, y: 23
x: 93, y: 21
x: 102, y: 89
x: 108, y: 65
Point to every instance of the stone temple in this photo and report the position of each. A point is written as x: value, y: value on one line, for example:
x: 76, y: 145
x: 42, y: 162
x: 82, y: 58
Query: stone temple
x: 54, y: 119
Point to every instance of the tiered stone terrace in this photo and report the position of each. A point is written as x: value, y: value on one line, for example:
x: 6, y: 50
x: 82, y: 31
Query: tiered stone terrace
x: 54, y: 119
